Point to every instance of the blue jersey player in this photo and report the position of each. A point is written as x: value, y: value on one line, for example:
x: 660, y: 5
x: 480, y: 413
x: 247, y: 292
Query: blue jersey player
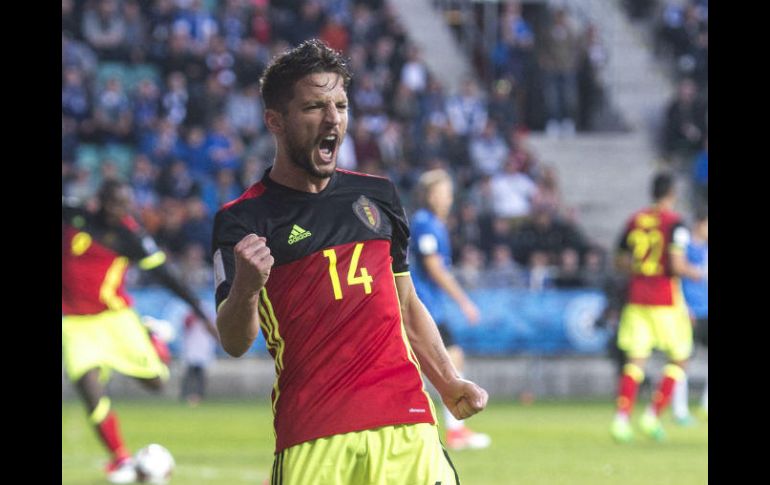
x: 431, y: 252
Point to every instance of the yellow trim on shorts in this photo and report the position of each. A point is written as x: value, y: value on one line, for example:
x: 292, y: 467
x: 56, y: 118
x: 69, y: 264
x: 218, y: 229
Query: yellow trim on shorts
x: 152, y: 261
x: 101, y: 410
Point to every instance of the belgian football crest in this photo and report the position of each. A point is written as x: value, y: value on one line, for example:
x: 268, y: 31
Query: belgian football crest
x: 368, y: 212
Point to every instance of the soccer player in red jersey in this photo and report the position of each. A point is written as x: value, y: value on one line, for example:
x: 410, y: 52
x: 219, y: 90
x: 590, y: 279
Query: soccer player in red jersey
x: 315, y: 256
x: 651, y: 251
x: 100, y: 331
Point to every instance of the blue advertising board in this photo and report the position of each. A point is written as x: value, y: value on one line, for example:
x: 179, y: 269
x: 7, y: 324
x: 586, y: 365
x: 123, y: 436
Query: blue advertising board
x: 513, y: 320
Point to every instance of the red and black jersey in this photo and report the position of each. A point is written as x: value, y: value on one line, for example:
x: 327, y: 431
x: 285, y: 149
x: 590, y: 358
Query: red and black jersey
x: 95, y: 257
x: 650, y: 236
x: 329, y: 311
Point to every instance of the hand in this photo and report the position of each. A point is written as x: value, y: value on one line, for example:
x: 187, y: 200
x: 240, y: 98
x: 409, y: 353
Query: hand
x: 464, y: 398
x: 253, y: 262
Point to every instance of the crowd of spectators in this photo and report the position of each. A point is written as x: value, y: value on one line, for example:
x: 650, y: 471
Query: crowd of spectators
x: 551, y: 61
x: 679, y: 30
x: 164, y: 94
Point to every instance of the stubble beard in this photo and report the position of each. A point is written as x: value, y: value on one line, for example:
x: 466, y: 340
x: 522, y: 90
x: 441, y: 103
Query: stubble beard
x: 302, y: 160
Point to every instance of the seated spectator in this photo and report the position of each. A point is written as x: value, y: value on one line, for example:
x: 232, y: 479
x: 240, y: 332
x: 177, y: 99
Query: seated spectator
x: 488, y: 150
x: 112, y: 113
x: 176, y: 182
x: 684, y: 127
x: 512, y: 192
x: 503, y: 272
x: 545, y: 234
x: 469, y: 269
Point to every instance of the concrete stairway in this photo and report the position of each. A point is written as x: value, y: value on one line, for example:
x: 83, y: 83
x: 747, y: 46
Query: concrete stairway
x: 429, y: 32
x: 604, y: 177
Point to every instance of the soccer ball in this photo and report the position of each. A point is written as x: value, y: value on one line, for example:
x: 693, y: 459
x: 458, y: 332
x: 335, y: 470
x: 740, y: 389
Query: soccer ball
x: 154, y: 464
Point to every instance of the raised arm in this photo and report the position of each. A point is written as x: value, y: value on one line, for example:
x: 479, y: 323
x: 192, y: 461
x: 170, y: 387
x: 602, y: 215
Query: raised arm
x: 238, y: 314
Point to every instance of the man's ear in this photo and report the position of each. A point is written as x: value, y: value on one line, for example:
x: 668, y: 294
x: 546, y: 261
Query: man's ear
x: 273, y: 121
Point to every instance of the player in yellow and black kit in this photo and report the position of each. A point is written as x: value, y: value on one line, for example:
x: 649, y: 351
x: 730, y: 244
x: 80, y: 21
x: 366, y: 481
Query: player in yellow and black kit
x: 100, y: 330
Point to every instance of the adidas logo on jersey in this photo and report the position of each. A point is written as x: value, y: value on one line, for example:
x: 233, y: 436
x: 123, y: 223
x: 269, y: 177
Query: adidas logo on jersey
x: 298, y: 234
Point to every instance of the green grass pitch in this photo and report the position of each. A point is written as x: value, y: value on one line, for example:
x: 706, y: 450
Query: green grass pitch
x: 546, y: 443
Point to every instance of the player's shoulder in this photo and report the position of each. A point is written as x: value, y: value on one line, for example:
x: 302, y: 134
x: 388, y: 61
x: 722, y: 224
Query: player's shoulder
x: 245, y: 202
x: 364, y: 181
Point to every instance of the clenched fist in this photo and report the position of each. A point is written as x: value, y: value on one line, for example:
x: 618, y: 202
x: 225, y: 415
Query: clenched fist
x: 253, y: 262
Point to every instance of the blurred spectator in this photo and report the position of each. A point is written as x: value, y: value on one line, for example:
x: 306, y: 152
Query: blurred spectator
x: 335, y: 34
x: 414, y: 72
x: 591, y: 62
x: 136, y: 31
x: 503, y: 272
x: 251, y: 172
x: 175, y: 98
x: 104, y: 28
x: 512, y: 192
x: 112, y: 113
x: 558, y: 60
x: 700, y: 179
x: 684, y: 126
x: 196, y: 22
x: 75, y: 101
x: 488, y: 150
x: 223, y: 145
x: 244, y: 112
x: 170, y: 236
x: 568, y: 274
x: 224, y: 189
x: 469, y: 269
x: 467, y: 111
x: 176, y: 181
x: 502, y: 106
x: 543, y: 237
x: 162, y: 145
x: 198, y: 351
x: 198, y: 224
x: 146, y: 107
x: 513, y: 53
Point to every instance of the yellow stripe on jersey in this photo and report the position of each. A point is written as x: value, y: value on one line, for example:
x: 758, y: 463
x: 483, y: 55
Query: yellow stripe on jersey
x: 410, y: 353
x: 108, y: 292
x: 269, y: 325
x: 403, y: 273
x: 152, y: 261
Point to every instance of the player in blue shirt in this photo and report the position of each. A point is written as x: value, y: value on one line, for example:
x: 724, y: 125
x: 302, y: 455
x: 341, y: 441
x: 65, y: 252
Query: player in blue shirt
x: 431, y: 255
x: 696, y: 294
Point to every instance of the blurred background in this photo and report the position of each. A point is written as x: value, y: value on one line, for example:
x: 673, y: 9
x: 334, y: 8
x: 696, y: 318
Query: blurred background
x: 551, y: 117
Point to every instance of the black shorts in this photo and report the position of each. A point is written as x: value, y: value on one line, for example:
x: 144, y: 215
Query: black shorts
x: 446, y: 335
x: 701, y: 331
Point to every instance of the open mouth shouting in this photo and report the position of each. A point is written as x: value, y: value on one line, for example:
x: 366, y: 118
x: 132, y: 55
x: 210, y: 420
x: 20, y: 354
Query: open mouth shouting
x: 327, y: 148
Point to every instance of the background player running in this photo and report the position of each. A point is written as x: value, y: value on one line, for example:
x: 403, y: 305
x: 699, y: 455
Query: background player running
x: 100, y: 331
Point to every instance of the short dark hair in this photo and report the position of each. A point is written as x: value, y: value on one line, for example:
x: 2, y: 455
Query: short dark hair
x: 283, y: 72
x: 662, y: 185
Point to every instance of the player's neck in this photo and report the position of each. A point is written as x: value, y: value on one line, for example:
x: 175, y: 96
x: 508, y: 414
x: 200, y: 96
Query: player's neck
x: 289, y: 175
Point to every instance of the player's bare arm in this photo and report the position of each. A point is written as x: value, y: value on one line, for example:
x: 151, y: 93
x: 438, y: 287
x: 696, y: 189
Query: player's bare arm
x: 238, y: 316
x: 441, y: 275
x: 463, y: 398
x: 681, y: 267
